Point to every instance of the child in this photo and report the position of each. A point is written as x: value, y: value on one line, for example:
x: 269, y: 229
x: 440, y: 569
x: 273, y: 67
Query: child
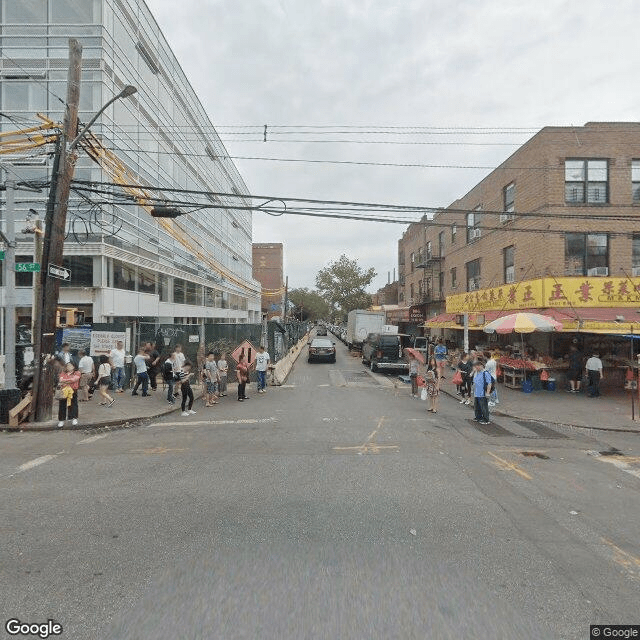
x: 211, y: 379
x: 104, y: 379
x: 433, y: 389
x: 68, y: 383
x: 187, y: 392
x: 413, y: 375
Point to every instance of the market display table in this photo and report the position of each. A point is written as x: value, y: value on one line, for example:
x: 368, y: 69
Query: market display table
x: 512, y: 378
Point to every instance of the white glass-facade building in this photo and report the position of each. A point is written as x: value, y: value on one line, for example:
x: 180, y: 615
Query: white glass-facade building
x: 124, y: 264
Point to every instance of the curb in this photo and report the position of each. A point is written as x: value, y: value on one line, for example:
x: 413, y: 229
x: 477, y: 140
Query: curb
x: 52, y: 426
x: 569, y: 425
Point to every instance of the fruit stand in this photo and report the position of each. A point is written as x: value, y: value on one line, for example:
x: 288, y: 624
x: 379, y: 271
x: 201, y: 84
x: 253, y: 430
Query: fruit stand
x: 514, y: 370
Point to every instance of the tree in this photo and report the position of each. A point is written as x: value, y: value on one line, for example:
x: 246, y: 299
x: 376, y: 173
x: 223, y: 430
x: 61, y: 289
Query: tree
x: 310, y: 305
x: 342, y: 284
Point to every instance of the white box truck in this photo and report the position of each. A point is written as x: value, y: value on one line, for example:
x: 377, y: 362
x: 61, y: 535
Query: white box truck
x: 360, y: 324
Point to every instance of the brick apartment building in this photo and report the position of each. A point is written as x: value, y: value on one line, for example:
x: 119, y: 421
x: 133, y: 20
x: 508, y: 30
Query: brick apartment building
x: 565, y: 204
x: 268, y: 270
x: 386, y: 295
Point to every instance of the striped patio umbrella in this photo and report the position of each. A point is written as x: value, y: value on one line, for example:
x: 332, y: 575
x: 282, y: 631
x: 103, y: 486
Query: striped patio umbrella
x: 523, y: 323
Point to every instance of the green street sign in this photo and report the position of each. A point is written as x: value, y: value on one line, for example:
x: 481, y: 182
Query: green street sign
x: 1, y: 255
x: 30, y: 267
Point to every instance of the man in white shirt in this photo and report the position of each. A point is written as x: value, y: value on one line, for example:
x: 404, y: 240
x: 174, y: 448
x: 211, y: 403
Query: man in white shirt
x: 180, y: 357
x: 594, y: 373
x: 87, y: 371
x: 492, y: 367
x: 140, y: 362
x: 262, y: 364
x: 116, y: 357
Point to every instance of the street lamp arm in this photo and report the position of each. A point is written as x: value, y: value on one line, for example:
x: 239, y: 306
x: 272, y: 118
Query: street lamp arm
x: 129, y: 90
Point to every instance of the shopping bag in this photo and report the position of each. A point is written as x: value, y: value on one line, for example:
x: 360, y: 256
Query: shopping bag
x: 457, y: 378
x: 424, y: 394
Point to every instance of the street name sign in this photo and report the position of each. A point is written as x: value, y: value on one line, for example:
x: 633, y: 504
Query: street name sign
x: 1, y: 255
x: 59, y: 272
x: 29, y: 267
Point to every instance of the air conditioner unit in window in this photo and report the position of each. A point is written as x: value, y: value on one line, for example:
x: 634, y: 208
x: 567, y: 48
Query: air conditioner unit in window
x: 598, y: 271
x: 510, y: 279
x: 635, y: 272
x: 506, y: 217
x: 475, y: 234
x: 474, y: 284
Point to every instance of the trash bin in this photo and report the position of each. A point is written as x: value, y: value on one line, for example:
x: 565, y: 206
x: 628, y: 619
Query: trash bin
x: 527, y: 386
x: 9, y: 398
x: 551, y: 384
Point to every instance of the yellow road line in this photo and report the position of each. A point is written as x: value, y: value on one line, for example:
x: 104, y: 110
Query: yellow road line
x: 369, y: 446
x: 623, y: 558
x: 510, y: 466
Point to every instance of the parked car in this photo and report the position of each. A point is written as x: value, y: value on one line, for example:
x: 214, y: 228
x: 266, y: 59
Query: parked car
x: 383, y: 352
x: 322, y: 349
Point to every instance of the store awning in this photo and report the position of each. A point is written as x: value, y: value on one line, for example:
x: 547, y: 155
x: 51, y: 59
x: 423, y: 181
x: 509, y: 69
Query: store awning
x: 611, y: 320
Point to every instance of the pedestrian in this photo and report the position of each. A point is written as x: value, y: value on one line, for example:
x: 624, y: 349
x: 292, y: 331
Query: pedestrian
x: 440, y: 353
x: 242, y: 375
x: 169, y: 370
x: 482, y: 384
x: 104, y: 379
x: 465, y: 367
x: 87, y: 369
x: 140, y: 362
x: 187, y: 391
x: 594, y: 375
x: 117, y: 357
x: 211, y: 379
x: 154, y: 361
x: 492, y: 368
x: 180, y: 357
x: 413, y: 374
x: 65, y: 356
x: 67, y: 394
x: 262, y: 364
x: 432, y: 381
x: 223, y: 372
x: 575, y: 369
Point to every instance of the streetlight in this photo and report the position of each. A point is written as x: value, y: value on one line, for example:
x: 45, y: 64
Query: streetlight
x: 129, y: 90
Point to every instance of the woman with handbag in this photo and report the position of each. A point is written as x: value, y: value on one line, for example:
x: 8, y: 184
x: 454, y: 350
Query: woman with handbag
x: 432, y: 381
x: 104, y: 380
x: 67, y: 395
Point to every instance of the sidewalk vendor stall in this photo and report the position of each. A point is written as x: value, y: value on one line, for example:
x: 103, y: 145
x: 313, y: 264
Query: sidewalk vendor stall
x: 515, y: 370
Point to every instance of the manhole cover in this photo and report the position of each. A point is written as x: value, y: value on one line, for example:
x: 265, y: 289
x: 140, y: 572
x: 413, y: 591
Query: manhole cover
x: 540, y: 430
x: 534, y: 454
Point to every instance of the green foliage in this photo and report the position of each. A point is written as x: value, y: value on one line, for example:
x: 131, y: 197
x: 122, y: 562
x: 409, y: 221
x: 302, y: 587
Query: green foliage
x: 342, y: 284
x: 310, y: 305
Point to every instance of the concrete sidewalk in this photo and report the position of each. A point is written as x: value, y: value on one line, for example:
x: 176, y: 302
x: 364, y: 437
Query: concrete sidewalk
x: 610, y: 412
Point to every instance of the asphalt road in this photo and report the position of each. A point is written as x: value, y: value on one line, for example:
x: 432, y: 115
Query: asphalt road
x: 332, y: 507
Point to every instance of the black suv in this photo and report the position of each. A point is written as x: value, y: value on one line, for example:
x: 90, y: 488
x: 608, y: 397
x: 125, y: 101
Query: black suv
x: 383, y: 352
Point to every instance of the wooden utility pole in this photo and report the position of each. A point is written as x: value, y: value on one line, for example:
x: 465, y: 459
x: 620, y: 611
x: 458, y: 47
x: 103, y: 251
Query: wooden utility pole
x: 53, y: 242
x: 37, y: 257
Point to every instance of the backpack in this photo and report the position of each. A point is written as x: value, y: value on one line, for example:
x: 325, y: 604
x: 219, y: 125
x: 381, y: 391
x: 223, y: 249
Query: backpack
x: 167, y: 371
x: 486, y: 384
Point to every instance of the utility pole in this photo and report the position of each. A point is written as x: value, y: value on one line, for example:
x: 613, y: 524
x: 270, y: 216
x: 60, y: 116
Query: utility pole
x: 10, y: 289
x: 53, y: 244
x: 37, y: 257
x: 286, y: 299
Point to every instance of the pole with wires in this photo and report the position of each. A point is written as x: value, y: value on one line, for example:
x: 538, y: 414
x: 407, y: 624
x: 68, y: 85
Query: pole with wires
x: 53, y: 241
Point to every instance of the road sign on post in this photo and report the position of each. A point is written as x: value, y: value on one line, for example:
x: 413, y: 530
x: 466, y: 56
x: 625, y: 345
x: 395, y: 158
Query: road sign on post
x: 1, y: 255
x: 61, y: 273
x: 29, y: 267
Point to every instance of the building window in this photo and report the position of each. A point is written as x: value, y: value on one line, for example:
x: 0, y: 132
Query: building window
x: 429, y: 251
x: 24, y: 278
x: 473, y: 275
x: 178, y: 291
x: 411, y: 292
x: 163, y: 287
x: 635, y: 180
x: 454, y: 278
x: 81, y: 268
x: 454, y: 232
x: 586, y: 181
x: 441, y: 244
x: 413, y: 261
x: 635, y: 256
x: 586, y: 254
x: 508, y: 205
x: 146, y: 281
x: 27, y: 12
x: 473, y: 224
x: 509, y: 268
x: 124, y: 276
x: 440, y: 284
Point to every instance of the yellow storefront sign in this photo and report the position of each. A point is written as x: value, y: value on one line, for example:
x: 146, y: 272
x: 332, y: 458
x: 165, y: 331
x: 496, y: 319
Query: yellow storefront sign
x: 542, y: 293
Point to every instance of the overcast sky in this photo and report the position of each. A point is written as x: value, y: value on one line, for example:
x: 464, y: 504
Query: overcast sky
x: 438, y: 63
